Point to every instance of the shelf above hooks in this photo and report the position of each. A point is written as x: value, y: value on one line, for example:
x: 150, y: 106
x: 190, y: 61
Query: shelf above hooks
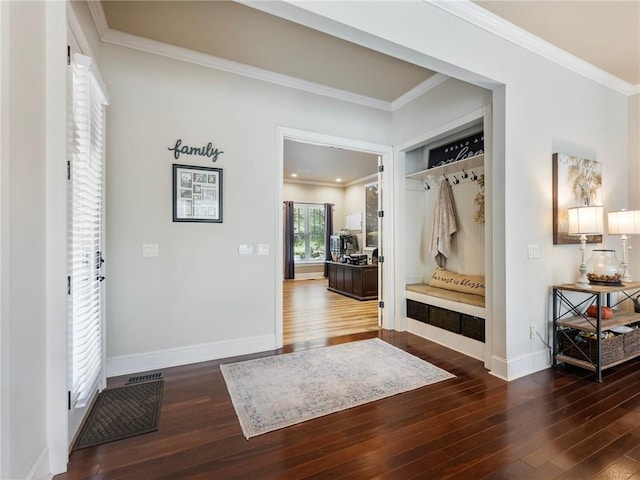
x: 450, y: 168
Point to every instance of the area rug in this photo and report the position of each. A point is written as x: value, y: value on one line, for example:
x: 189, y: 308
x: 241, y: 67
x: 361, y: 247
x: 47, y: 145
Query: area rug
x: 121, y: 413
x: 276, y: 392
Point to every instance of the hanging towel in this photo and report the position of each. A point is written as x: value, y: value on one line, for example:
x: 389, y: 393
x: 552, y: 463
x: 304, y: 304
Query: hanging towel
x: 444, y: 224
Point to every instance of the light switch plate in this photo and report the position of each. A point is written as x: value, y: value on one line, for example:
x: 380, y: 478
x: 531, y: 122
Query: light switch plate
x: 150, y: 250
x: 533, y: 251
x: 263, y: 249
x: 245, y: 249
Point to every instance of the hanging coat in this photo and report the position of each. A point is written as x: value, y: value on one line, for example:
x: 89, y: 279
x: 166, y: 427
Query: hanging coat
x: 444, y: 224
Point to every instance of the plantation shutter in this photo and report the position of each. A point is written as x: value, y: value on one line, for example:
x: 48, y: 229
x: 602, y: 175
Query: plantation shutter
x: 86, y: 164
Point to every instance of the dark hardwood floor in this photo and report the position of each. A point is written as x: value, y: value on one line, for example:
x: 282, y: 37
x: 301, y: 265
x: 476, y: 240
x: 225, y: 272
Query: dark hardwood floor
x: 552, y: 424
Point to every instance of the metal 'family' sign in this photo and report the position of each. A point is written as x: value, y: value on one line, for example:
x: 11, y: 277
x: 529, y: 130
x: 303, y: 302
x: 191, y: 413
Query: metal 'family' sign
x: 207, y: 150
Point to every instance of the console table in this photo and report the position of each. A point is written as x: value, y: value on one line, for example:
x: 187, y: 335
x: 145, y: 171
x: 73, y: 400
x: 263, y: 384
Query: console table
x: 578, y: 339
x: 355, y: 281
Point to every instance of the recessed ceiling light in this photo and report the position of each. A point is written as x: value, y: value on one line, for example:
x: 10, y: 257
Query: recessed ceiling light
x: 338, y: 179
x: 294, y: 175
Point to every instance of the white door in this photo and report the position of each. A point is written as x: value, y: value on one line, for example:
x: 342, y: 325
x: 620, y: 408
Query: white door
x: 85, y: 151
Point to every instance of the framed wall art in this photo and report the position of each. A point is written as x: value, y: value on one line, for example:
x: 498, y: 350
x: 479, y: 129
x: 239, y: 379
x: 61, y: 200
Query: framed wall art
x: 197, y: 194
x: 576, y: 182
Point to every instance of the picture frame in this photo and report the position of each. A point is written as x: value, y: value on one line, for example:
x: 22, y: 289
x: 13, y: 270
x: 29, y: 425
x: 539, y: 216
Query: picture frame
x: 197, y: 194
x: 576, y: 182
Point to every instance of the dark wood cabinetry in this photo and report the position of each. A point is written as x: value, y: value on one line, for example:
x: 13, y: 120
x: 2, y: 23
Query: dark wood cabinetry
x: 356, y: 281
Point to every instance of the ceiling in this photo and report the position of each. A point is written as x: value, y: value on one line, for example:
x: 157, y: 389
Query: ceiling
x: 605, y: 34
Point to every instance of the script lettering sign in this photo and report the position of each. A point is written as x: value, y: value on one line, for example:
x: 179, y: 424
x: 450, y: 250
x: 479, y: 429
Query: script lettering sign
x: 207, y: 150
x: 459, y: 150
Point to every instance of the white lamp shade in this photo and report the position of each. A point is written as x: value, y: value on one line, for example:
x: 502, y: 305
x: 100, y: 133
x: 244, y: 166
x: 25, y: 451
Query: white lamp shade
x: 587, y: 220
x: 624, y: 222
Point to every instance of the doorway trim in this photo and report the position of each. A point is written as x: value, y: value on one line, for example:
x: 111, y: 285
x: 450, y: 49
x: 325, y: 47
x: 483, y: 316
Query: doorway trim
x: 384, y: 151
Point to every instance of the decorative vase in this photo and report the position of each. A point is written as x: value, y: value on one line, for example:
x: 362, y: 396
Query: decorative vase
x: 604, y: 268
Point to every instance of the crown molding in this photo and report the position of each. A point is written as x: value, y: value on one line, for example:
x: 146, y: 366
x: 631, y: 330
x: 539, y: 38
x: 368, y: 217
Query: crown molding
x: 122, y: 39
x: 135, y: 42
x: 480, y: 17
x: 431, y: 82
x: 635, y: 90
x: 314, y: 182
x: 99, y: 18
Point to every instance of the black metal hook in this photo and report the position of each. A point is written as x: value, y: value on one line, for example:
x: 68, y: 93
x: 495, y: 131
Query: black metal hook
x: 464, y: 174
x: 455, y: 180
x: 474, y: 177
x: 426, y: 185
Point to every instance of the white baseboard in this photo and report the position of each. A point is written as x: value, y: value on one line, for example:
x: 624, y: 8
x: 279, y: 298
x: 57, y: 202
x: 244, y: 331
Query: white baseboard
x: 40, y: 469
x: 454, y: 341
x: 520, y: 366
x: 142, y: 362
x: 310, y: 276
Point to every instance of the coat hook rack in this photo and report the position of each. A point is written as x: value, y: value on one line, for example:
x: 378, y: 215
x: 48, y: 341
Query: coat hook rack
x: 455, y: 180
x: 464, y: 174
x: 474, y: 177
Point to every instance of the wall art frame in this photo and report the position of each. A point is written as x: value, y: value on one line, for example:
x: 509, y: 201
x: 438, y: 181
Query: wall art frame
x: 197, y: 194
x: 576, y: 182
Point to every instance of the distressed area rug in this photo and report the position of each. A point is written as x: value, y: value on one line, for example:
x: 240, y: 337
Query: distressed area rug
x: 121, y: 413
x: 276, y: 392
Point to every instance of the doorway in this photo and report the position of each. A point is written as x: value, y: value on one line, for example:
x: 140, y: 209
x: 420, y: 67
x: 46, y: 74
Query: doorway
x: 384, y: 156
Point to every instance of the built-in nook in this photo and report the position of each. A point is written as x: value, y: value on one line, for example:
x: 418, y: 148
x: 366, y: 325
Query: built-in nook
x: 446, y: 296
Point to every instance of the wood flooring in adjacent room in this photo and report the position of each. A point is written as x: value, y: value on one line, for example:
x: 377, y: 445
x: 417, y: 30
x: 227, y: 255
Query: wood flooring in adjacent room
x: 552, y: 424
x: 311, y: 313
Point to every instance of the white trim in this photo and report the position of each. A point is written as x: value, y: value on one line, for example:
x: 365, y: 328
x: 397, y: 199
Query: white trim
x: 519, y: 366
x: 635, y: 90
x: 76, y: 30
x: 99, y: 18
x: 309, y: 276
x: 122, y: 39
x: 454, y: 341
x: 480, y: 17
x: 40, y: 468
x: 57, y: 454
x: 431, y: 82
x: 314, y: 138
x: 173, y: 357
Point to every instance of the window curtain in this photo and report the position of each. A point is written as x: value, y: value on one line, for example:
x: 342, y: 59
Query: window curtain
x: 328, y: 231
x: 289, y: 264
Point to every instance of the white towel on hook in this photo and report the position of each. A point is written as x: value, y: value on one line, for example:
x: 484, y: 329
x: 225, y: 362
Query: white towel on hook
x: 444, y: 224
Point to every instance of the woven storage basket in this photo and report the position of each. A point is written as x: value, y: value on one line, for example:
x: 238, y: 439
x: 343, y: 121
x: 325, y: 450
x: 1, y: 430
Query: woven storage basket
x: 612, y: 349
x: 418, y: 311
x: 472, y: 327
x: 631, y: 342
x: 445, y: 319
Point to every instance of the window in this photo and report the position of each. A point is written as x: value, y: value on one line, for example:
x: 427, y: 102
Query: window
x: 308, y: 233
x: 86, y: 190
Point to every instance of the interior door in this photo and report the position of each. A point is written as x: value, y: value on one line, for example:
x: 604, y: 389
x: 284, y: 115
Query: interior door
x: 85, y: 153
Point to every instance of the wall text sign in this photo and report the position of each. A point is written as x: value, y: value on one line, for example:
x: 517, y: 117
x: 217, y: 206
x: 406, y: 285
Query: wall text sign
x: 205, y: 151
x: 459, y: 150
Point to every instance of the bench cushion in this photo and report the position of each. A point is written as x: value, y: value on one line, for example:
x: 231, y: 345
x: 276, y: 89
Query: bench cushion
x: 469, y: 299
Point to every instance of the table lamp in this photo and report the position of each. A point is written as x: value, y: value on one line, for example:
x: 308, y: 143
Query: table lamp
x: 583, y: 221
x: 623, y: 223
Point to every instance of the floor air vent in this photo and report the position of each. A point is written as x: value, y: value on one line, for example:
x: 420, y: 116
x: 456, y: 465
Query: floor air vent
x: 144, y: 378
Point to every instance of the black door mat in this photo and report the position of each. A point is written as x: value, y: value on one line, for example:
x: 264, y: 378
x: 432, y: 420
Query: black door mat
x: 144, y: 378
x: 121, y: 413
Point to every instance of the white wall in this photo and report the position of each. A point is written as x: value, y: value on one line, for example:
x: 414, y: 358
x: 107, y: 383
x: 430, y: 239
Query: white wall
x: 547, y: 108
x: 198, y: 291
x: 23, y: 255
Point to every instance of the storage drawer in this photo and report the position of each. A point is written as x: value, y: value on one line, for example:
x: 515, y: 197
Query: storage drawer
x: 445, y: 319
x: 418, y: 311
x: 473, y: 327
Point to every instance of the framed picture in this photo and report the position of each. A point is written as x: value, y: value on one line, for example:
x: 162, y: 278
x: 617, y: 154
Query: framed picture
x: 576, y: 182
x: 197, y: 194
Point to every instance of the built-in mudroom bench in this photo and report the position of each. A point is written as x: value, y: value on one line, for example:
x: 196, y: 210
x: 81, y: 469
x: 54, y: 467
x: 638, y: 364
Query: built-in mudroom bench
x: 445, y: 205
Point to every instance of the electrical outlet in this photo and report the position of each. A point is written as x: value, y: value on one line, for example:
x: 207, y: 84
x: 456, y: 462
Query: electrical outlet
x: 532, y: 331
